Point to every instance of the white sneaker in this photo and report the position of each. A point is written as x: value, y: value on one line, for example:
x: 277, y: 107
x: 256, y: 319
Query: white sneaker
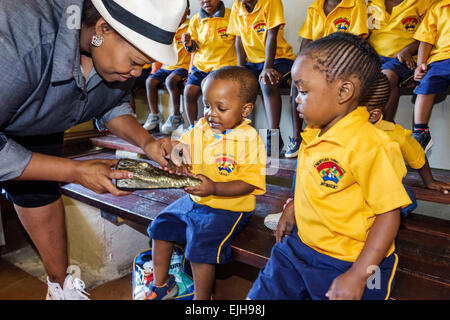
x: 271, y: 220
x: 73, y: 288
x: 153, y: 120
x: 172, y: 124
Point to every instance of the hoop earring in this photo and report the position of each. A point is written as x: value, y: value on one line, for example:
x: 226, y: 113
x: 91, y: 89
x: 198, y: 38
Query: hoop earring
x: 97, y: 40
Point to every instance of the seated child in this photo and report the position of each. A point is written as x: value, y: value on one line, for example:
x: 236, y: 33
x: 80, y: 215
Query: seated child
x: 260, y: 45
x: 433, y: 67
x: 174, y: 77
x: 392, y: 24
x: 229, y: 157
x: 323, y: 18
x: 348, y: 190
x: 213, y: 47
x: 411, y: 150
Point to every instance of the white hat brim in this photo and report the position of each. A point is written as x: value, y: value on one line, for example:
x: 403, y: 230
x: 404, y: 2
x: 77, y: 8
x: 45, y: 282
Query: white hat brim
x: 166, y: 54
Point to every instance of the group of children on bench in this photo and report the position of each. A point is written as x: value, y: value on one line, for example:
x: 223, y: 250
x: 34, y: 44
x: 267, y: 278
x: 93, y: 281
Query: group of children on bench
x: 345, y: 209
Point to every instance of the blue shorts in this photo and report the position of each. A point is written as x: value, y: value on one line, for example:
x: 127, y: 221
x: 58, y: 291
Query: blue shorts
x: 206, y: 231
x: 196, y: 77
x: 162, y: 74
x: 400, y: 68
x: 437, y: 78
x: 410, y: 208
x: 296, y: 272
x: 283, y: 66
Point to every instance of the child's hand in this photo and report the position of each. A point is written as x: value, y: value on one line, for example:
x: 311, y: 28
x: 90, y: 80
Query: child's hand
x: 206, y: 188
x: 404, y: 56
x: 443, y: 187
x: 186, y: 39
x: 420, y: 72
x: 347, y: 286
x: 270, y: 76
x: 287, y: 220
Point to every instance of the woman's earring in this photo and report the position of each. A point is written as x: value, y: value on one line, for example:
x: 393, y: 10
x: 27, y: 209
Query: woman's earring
x: 97, y: 40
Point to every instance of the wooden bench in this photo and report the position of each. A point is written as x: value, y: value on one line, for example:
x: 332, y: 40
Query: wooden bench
x: 422, y: 243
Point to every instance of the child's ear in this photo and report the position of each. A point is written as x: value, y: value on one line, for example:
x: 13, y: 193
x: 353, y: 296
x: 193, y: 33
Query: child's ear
x: 246, y: 110
x: 347, y: 91
x: 374, y: 115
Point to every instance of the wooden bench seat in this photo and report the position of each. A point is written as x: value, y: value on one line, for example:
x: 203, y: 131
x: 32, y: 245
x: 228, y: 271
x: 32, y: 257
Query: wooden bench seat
x: 422, y: 243
x: 286, y: 169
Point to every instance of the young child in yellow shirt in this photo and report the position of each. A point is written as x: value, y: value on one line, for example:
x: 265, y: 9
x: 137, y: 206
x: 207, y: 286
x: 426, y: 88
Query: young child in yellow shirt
x: 323, y: 18
x: 213, y: 47
x: 228, y: 156
x: 345, y: 215
x: 260, y: 44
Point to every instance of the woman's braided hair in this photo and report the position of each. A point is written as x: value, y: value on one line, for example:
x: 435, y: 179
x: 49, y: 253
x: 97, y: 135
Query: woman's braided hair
x: 341, y: 55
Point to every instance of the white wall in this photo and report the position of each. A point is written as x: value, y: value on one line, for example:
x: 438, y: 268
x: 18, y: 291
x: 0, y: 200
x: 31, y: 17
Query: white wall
x: 295, y: 14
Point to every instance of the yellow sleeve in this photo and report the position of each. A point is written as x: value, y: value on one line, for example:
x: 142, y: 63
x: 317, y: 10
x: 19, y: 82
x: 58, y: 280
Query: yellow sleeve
x: 251, y: 165
x: 376, y: 171
x: 427, y: 30
x: 275, y: 14
x: 412, y: 151
x: 360, y: 18
x: 193, y: 27
x: 306, y: 31
x: 233, y: 25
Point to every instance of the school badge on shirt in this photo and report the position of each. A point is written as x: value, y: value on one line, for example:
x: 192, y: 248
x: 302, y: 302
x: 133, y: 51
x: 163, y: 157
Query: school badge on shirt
x: 260, y: 27
x: 222, y: 33
x: 330, y: 171
x: 342, y: 24
x: 410, y: 23
x: 225, y: 165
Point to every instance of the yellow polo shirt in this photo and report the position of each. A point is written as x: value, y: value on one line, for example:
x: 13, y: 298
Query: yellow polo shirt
x: 435, y: 29
x: 344, y: 179
x: 252, y: 28
x: 349, y: 16
x: 238, y: 154
x: 412, y: 151
x: 184, y: 57
x: 390, y: 33
x: 216, y: 45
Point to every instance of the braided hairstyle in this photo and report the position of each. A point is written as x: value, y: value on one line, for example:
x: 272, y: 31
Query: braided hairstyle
x: 378, y: 94
x: 341, y: 55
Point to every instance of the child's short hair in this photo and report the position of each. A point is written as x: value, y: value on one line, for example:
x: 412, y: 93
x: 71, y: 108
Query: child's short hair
x: 378, y: 94
x: 342, y: 54
x: 248, y: 83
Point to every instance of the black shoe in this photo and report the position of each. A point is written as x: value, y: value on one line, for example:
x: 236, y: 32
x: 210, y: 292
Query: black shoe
x: 424, y: 138
x: 275, y: 142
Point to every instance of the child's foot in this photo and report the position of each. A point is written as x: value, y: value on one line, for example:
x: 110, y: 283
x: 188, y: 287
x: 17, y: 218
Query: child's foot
x: 293, y: 146
x: 271, y: 220
x: 172, y: 124
x: 153, y: 121
x: 423, y: 136
x: 164, y: 292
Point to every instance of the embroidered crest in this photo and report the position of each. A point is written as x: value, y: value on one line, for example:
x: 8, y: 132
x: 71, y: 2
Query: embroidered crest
x: 330, y: 171
x: 178, y: 41
x: 222, y: 33
x: 260, y: 27
x: 342, y: 24
x: 225, y: 165
x: 410, y: 23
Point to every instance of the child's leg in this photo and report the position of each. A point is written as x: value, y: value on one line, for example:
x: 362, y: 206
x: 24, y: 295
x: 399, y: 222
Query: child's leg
x: 204, y: 276
x: 296, y: 120
x: 392, y: 104
x: 422, y: 108
x: 191, y: 94
x: 173, y: 83
x: 162, y: 253
x: 152, y: 85
x: 272, y: 103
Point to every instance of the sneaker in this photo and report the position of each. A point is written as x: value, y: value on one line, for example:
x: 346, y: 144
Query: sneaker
x: 172, y: 124
x: 272, y: 136
x: 271, y: 220
x: 164, y: 292
x: 293, y: 146
x: 424, y: 138
x: 73, y: 287
x: 153, y: 121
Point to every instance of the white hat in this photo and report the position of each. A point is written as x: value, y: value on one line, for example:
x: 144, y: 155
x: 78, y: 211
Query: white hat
x: 150, y: 25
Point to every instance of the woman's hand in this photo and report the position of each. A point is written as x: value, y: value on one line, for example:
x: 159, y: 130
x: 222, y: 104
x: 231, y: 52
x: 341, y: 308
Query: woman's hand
x: 179, y: 153
x: 206, y: 188
x: 97, y: 176
x: 287, y: 221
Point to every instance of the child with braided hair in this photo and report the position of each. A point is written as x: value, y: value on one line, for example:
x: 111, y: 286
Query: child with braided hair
x: 341, y: 226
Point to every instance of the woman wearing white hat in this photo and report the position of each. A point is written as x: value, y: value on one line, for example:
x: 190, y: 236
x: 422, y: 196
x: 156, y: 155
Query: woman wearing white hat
x: 63, y: 62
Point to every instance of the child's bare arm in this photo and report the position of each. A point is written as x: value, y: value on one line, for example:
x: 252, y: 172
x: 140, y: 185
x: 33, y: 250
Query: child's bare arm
x: 422, y: 57
x: 240, y: 52
x: 406, y: 54
x: 224, y: 189
x: 287, y: 220
x: 351, y: 284
x: 430, y: 182
x: 269, y: 75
